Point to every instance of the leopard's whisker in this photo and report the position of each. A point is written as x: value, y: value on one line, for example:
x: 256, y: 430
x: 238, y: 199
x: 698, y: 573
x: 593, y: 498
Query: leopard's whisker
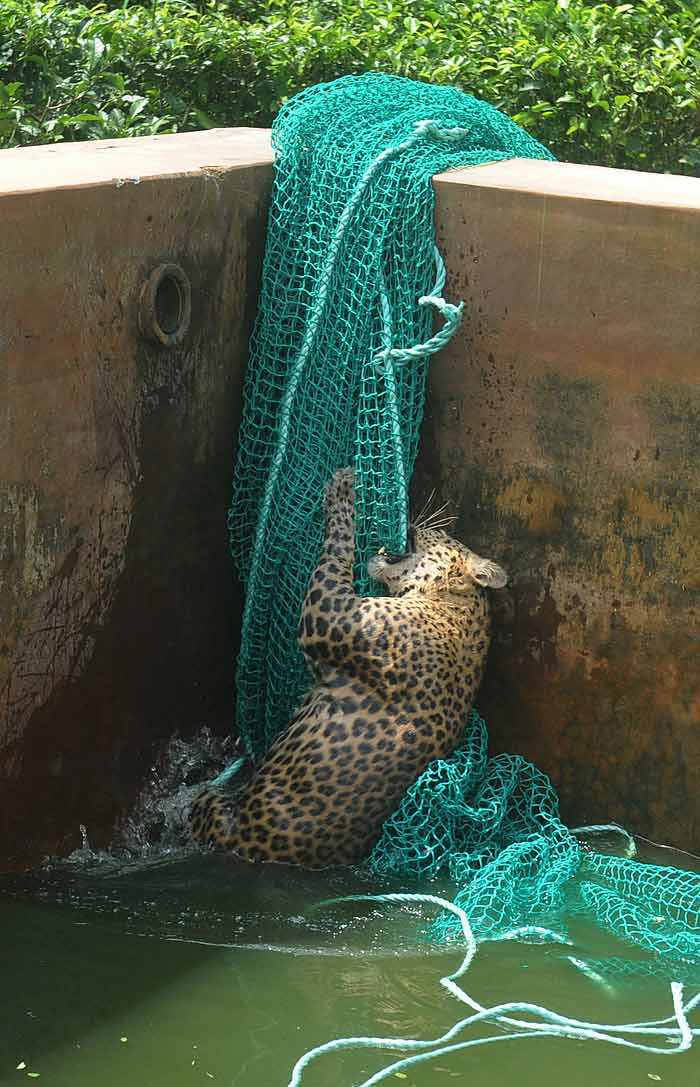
x: 438, y: 515
x: 427, y: 520
x: 440, y: 525
x: 425, y: 507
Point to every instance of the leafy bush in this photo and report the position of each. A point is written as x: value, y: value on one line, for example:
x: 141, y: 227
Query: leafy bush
x: 617, y: 84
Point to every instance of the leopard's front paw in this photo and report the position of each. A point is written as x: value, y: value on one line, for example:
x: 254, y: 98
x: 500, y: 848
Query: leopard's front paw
x: 339, y: 495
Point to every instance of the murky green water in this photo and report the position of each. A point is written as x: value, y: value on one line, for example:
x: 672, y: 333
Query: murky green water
x: 198, y: 970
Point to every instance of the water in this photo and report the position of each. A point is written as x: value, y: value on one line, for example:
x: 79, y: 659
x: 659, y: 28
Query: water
x: 154, y: 966
x: 198, y: 969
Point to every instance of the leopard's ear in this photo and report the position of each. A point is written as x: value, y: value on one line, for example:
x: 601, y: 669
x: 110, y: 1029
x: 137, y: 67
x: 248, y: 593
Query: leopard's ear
x: 487, y: 573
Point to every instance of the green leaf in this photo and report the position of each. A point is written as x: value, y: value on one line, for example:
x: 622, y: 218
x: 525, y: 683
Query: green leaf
x: 204, y: 119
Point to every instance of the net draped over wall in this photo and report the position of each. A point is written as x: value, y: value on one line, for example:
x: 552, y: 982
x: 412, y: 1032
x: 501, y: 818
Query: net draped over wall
x: 352, y: 289
x: 350, y: 252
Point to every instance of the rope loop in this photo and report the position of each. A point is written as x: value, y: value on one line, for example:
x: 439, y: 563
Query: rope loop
x: 451, y: 313
x: 390, y: 357
x: 672, y: 1033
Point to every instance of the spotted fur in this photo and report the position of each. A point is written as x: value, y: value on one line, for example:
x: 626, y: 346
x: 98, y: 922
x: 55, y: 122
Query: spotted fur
x: 394, y: 680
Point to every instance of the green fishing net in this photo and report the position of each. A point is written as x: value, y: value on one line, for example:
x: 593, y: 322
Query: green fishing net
x: 350, y: 311
x: 493, y: 826
x: 331, y: 380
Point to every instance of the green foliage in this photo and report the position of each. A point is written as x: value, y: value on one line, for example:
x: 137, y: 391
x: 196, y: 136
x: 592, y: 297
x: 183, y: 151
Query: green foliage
x: 617, y: 84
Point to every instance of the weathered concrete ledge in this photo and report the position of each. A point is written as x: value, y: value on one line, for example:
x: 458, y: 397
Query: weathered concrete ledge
x: 563, y: 423
x: 122, y: 162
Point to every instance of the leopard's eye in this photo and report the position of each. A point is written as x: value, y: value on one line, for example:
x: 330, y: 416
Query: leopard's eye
x: 391, y: 560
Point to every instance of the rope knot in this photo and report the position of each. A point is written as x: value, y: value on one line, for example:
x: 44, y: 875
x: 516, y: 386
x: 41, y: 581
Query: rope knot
x: 447, y: 134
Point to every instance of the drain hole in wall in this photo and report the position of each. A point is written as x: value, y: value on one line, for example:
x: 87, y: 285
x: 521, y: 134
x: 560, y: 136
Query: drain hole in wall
x: 169, y: 305
x: 166, y: 305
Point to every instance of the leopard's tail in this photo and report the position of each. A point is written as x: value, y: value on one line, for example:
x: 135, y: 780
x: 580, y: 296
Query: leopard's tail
x: 212, y: 817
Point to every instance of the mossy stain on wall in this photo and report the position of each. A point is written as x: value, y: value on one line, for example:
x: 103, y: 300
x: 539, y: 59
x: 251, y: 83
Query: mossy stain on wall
x: 568, y: 417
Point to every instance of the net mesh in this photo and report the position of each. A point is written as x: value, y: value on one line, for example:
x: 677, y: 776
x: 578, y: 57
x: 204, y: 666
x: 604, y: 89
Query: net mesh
x: 351, y: 284
x: 351, y: 223
x: 493, y: 826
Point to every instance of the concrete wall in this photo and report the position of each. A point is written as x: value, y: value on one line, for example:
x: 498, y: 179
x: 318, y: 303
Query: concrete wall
x: 562, y: 423
x: 118, y: 609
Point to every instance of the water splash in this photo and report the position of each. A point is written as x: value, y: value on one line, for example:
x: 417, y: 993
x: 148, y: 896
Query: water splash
x: 159, y: 817
x: 156, y: 829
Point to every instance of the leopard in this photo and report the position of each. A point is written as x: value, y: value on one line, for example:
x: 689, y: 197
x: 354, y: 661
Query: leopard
x: 394, y: 678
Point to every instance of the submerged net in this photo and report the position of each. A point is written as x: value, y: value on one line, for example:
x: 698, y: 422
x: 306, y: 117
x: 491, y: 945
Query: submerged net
x: 493, y: 826
x: 351, y: 284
